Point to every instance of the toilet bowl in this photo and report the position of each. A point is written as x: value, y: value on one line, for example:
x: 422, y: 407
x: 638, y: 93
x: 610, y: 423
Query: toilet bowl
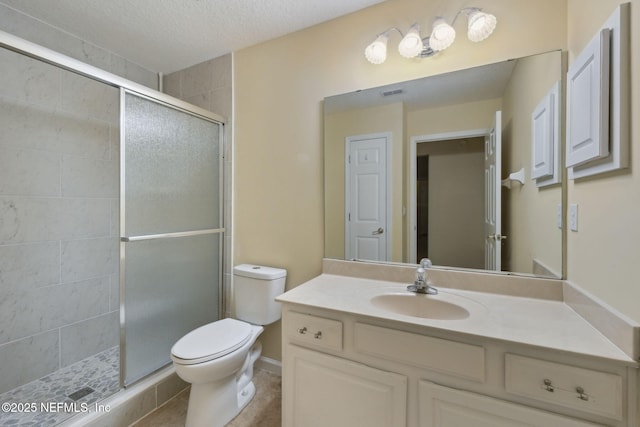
x: 220, y: 383
x: 218, y: 358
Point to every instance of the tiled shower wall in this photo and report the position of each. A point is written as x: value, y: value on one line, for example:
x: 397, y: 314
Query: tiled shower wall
x: 59, y: 188
x: 59, y: 207
x: 209, y: 85
x: 36, y: 31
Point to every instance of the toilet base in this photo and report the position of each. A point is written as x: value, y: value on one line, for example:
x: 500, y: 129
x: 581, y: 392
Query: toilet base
x: 245, y: 395
x: 216, y: 403
x: 215, y: 408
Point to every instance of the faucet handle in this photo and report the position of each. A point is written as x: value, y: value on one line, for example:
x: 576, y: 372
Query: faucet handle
x: 426, y: 263
x: 420, y: 275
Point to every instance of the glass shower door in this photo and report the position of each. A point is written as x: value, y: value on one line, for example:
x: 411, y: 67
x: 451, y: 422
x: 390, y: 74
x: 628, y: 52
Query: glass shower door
x: 171, y: 229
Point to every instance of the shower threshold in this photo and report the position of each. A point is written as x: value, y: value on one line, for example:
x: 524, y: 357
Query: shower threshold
x: 65, y: 392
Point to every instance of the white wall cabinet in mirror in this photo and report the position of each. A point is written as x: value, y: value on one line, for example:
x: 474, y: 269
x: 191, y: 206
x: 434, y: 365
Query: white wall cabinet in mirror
x: 545, y: 139
x: 612, y: 151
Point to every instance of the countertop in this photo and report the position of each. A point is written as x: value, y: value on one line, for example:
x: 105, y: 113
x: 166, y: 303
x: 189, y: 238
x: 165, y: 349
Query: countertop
x: 542, y: 323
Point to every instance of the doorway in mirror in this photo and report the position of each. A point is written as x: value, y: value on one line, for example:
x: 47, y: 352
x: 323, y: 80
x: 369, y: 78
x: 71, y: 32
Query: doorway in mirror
x: 422, y: 206
x: 449, y: 202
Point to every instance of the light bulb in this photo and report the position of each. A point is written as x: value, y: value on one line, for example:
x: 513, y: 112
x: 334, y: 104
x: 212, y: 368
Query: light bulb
x: 376, y: 52
x: 481, y: 25
x: 411, y: 44
x: 442, y: 35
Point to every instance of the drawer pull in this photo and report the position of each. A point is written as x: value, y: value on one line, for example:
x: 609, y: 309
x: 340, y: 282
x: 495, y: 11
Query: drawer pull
x: 581, y: 393
x: 318, y: 335
x: 302, y: 330
x: 548, y: 386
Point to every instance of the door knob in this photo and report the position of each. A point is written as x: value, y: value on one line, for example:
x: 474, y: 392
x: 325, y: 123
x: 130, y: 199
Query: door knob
x: 496, y: 237
x: 378, y: 231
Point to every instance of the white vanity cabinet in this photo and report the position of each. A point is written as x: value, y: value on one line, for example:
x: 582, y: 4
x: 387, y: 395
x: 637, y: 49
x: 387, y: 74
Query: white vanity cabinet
x: 331, y: 391
x: 447, y: 407
x: 325, y: 390
x: 345, y: 370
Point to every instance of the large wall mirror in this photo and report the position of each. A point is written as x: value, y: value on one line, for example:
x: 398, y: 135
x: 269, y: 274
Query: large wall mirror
x: 421, y: 169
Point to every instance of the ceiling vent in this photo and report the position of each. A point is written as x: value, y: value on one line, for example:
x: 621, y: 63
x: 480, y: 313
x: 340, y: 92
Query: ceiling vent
x: 392, y: 92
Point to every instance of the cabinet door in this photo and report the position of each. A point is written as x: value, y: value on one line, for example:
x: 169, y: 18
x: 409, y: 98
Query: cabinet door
x: 322, y: 390
x: 446, y: 407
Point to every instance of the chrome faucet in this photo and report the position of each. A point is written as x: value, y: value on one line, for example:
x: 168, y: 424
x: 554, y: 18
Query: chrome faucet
x: 421, y: 284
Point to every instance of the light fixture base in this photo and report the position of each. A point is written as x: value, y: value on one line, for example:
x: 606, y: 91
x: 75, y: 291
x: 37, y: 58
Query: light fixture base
x: 427, y: 51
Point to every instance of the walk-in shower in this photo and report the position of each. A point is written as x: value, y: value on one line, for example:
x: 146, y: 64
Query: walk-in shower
x: 111, y: 231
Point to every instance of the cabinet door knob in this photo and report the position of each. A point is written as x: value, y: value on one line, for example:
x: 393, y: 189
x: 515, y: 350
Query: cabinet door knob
x: 548, y: 386
x: 302, y: 330
x: 581, y: 393
x: 318, y: 335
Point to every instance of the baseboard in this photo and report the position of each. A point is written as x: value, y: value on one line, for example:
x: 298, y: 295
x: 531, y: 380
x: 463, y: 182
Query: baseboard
x: 269, y: 365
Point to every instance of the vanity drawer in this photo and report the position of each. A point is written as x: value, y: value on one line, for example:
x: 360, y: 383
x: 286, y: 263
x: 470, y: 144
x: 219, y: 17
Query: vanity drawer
x: 449, y: 357
x: 576, y: 388
x: 319, y: 331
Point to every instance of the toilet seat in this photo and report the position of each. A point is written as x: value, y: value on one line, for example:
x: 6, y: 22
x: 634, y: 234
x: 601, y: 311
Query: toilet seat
x: 211, y: 341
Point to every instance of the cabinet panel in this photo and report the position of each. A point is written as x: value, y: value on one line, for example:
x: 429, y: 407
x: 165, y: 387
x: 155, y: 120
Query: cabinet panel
x: 318, y: 331
x: 542, y: 125
x: 446, y: 407
x: 325, y: 390
x: 450, y: 357
x: 588, y: 102
x: 583, y: 389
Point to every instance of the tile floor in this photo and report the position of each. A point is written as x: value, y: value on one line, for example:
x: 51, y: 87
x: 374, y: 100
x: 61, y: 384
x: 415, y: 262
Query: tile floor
x: 264, y: 410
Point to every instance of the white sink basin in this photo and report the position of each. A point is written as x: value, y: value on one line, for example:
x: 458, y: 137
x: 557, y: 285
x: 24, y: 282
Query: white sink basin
x: 420, y: 305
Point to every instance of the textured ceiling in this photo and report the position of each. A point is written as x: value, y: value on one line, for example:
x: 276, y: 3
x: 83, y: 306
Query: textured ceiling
x: 169, y: 35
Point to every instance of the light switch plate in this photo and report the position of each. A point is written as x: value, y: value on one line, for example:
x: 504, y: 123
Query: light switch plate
x: 573, y: 217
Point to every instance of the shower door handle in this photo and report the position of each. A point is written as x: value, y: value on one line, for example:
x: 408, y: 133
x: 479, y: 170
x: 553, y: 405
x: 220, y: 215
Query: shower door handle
x: 127, y: 239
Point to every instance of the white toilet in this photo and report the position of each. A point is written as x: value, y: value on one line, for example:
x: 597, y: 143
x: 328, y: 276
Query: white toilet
x: 217, y: 358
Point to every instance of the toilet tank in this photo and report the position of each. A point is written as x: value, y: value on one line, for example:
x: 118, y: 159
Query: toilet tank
x: 255, y: 289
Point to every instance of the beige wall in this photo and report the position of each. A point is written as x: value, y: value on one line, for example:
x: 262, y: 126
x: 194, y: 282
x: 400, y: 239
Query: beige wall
x: 603, y: 254
x: 278, y: 91
x: 338, y: 126
x: 456, y: 208
x: 531, y: 220
x: 477, y: 115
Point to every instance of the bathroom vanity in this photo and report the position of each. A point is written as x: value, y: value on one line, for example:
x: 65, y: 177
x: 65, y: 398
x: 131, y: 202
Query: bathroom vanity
x: 365, y: 352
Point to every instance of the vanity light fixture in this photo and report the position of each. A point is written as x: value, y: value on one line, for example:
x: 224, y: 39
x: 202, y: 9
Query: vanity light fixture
x: 480, y: 25
x: 411, y: 44
x: 376, y: 52
x: 442, y: 35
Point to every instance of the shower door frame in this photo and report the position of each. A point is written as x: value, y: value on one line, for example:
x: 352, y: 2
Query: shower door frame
x: 41, y: 53
x: 125, y: 238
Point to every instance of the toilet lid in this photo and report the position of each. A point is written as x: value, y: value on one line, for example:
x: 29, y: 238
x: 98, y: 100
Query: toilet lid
x: 211, y: 341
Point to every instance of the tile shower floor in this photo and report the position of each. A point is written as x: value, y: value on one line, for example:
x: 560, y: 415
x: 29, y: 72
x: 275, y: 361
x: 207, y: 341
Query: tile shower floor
x: 99, y: 372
